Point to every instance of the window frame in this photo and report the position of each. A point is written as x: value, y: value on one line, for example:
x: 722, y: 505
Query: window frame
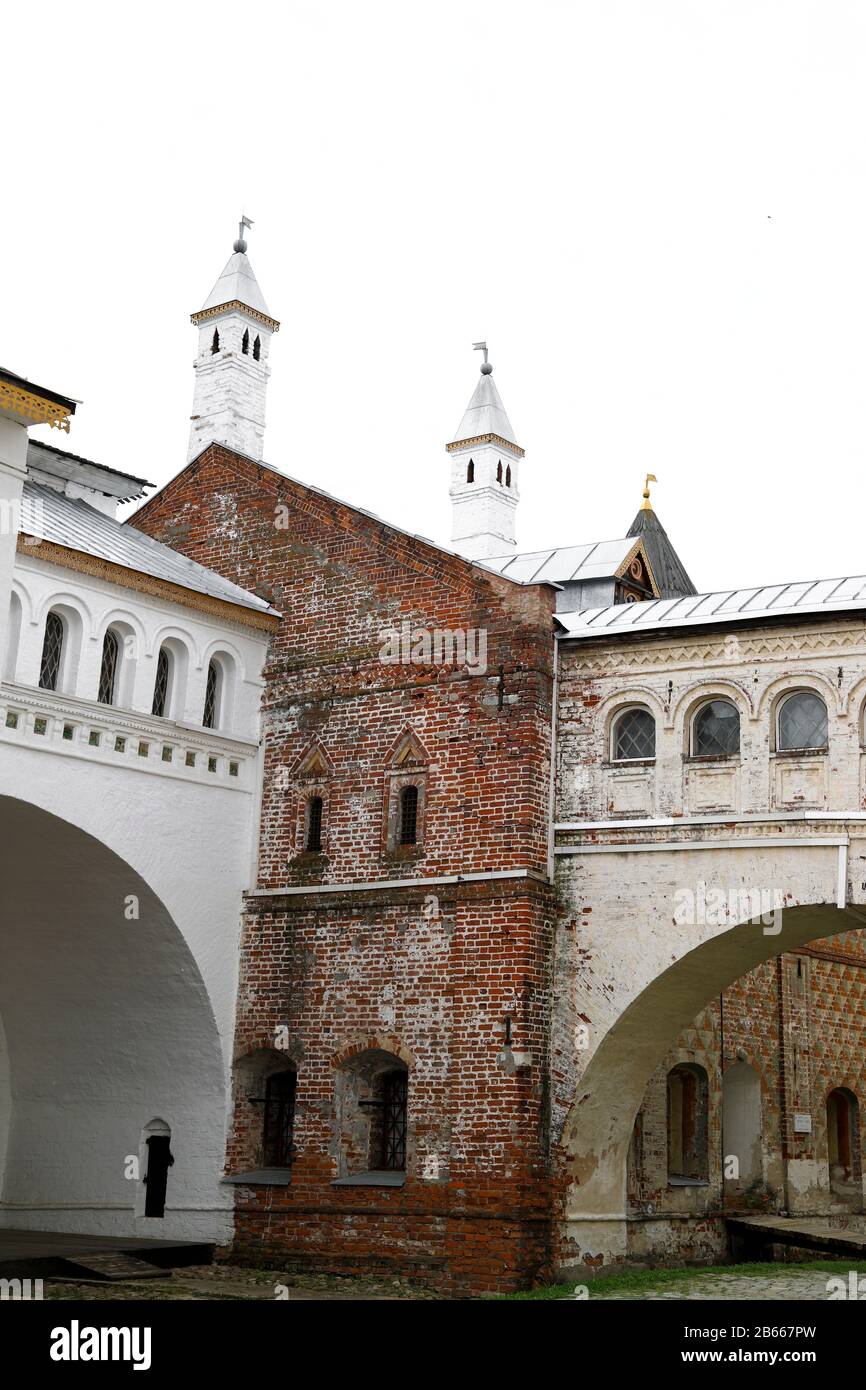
x: 693, y: 754
x: 62, y: 646
x: 616, y: 718
x: 810, y: 750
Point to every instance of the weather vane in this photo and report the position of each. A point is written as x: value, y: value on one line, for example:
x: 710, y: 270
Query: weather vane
x: 486, y: 368
x: 240, y: 244
x: 646, y: 505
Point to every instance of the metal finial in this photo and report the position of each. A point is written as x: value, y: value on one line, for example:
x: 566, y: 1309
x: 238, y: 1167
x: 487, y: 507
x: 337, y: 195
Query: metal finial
x: 486, y: 368
x: 646, y: 504
x: 240, y: 244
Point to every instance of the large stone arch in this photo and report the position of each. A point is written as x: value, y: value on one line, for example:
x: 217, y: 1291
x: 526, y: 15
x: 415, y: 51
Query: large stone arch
x: 105, y: 1022
x: 642, y: 974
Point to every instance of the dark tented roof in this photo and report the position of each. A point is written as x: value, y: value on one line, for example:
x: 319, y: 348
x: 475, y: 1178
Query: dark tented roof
x: 666, y: 565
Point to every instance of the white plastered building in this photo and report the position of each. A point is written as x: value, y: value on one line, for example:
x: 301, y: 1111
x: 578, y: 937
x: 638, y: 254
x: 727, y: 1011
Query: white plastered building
x: 129, y: 792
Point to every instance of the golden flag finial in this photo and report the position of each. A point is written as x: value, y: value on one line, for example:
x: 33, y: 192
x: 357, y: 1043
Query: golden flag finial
x: 646, y: 504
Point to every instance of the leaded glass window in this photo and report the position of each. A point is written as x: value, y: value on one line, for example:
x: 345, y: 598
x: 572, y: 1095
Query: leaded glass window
x: 52, y: 652
x: 160, y: 686
x: 634, y: 735
x: 802, y: 721
x: 108, y: 669
x: 210, y: 696
x: 716, y: 730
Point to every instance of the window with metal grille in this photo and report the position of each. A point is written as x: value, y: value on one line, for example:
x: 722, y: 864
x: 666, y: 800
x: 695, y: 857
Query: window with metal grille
x: 395, y: 1090
x: 160, y: 685
x: 210, y: 696
x: 108, y: 669
x: 802, y: 721
x: 314, y: 824
x: 52, y: 652
x: 279, y: 1120
x: 634, y: 736
x: 409, y: 816
x: 716, y: 730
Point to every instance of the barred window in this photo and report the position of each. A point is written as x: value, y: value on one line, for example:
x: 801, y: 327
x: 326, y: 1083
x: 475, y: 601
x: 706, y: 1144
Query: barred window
x: 314, y: 825
x: 210, y: 696
x: 108, y: 669
x: 160, y: 685
x: 52, y: 652
x: 409, y: 816
x: 279, y: 1120
x: 395, y: 1094
x: 802, y: 722
x: 634, y: 735
x: 716, y: 730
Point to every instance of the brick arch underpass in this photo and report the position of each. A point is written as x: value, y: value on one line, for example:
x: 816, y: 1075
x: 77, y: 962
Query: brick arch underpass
x: 637, y: 971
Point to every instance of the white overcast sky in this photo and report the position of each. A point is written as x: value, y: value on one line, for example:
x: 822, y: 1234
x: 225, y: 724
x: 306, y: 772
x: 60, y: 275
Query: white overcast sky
x: 654, y: 212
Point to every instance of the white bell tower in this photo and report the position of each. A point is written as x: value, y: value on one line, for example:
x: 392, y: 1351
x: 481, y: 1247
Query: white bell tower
x: 485, y: 461
x: 231, y: 368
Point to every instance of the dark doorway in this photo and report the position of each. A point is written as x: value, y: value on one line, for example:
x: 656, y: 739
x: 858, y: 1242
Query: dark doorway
x: 159, y: 1160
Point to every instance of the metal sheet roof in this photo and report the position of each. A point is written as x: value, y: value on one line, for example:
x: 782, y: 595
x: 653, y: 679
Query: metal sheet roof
x: 485, y: 414
x: 237, y: 281
x: 598, y: 560
x: 62, y: 464
x: 815, y: 596
x: 72, y: 523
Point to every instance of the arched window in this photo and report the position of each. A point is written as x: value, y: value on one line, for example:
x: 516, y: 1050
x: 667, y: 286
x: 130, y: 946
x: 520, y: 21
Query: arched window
x: 372, y: 1105
x: 108, y: 668
x: 499, y: 471
x: 215, y: 341
x: 313, y: 837
x: 470, y: 471
x: 802, y: 722
x: 716, y: 730
x: 160, y: 685
x: 634, y: 735
x: 257, y: 348
x: 688, y: 1106
x: 508, y: 476
x: 843, y: 1143
x: 211, y: 696
x: 279, y: 1120
x: 245, y: 342
x: 52, y: 651
x: 409, y: 815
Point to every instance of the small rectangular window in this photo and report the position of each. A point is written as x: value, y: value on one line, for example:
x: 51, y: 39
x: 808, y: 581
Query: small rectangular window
x: 314, y: 825
x: 40, y: 726
x: 233, y: 769
x: 190, y: 759
x: 94, y: 738
x: 143, y: 749
x: 120, y: 744
x: 211, y: 764
x: 166, y: 754
x: 68, y: 731
x: 11, y: 719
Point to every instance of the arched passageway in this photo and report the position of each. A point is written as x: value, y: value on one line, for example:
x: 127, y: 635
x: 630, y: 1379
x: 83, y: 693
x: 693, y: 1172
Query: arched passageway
x: 106, y: 1024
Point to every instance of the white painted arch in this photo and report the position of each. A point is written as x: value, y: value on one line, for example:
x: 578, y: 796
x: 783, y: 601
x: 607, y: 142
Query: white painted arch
x: 106, y: 1023
x: 640, y: 976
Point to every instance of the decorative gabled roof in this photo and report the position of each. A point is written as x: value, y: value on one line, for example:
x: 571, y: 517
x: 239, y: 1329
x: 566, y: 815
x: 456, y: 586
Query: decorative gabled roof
x: 485, y: 414
x: 817, y: 597
x: 569, y: 563
x: 29, y: 404
x: 237, y: 287
x: 667, y: 567
x: 72, y: 524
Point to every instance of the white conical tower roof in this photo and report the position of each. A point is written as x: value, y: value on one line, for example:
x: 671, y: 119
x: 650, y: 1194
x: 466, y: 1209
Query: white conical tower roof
x: 237, y: 283
x: 485, y: 413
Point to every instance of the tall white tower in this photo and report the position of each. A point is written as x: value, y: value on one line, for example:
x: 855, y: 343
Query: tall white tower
x: 231, y: 369
x: 485, y: 459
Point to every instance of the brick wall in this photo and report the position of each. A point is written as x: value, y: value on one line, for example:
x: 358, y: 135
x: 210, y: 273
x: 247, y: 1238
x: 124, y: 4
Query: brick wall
x: 453, y: 979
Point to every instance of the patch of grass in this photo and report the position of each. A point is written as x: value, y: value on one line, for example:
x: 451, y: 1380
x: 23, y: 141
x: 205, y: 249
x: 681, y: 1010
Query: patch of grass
x: 634, y: 1280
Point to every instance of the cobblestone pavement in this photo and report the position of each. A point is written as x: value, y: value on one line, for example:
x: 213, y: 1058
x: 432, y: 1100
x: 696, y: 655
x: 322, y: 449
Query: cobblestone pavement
x: 232, y: 1283
x: 796, y: 1286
